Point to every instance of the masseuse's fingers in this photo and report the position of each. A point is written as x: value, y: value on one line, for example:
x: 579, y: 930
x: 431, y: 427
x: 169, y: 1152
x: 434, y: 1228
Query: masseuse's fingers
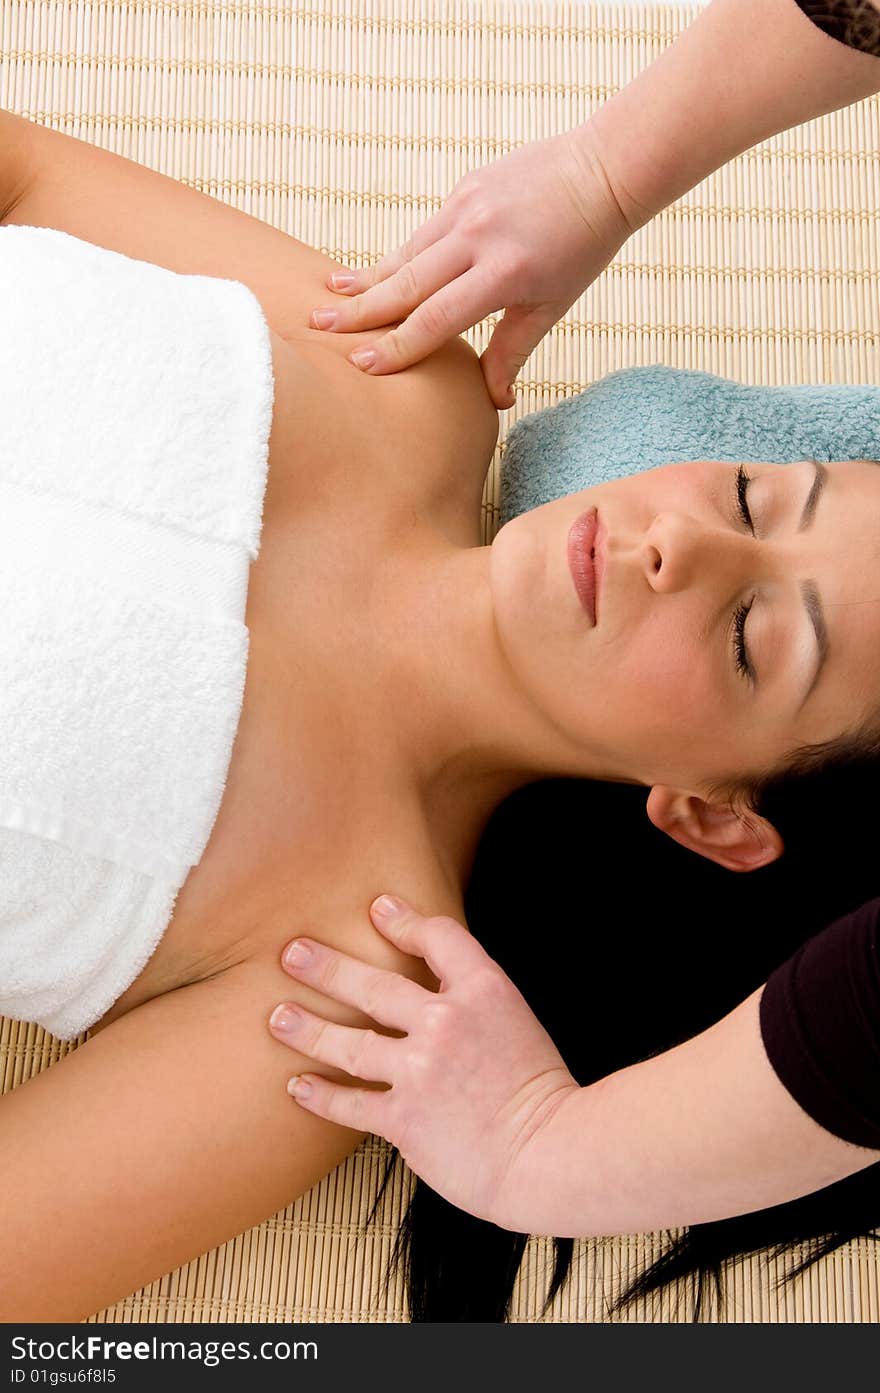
x: 362, y: 282
x: 383, y: 996
x: 397, y: 294
x: 463, y: 1113
x: 450, y: 950
x: 364, y: 1109
x: 433, y: 303
x: 363, y: 1053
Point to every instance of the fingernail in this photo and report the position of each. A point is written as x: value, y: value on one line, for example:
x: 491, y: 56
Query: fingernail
x: 298, y: 1087
x: 364, y: 358
x: 297, y: 953
x: 341, y: 282
x: 386, y: 906
x: 284, y: 1018
x: 324, y: 319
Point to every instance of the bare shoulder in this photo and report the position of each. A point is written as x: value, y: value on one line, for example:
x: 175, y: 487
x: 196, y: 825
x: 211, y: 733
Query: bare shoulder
x: 51, y: 179
x: 423, y: 436
x: 438, y: 413
x: 164, y: 1135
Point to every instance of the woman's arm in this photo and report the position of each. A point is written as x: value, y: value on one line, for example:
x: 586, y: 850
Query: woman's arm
x: 49, y: 179
x: 483, y: 1108
x: 164, y: 1135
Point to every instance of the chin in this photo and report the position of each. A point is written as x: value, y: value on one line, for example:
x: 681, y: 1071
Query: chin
x: 537, y: 618
x: 517, y: 562
x: 517, y: 567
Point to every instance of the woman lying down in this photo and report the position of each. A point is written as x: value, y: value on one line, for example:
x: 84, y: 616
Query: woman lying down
x: 182, y: 794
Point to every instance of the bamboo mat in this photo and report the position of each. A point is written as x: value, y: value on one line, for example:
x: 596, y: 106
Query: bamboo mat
x: 346, y: 124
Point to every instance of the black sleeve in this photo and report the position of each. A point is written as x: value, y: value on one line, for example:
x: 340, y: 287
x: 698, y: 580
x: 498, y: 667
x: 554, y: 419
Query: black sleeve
x: 820, y: 1024
x: 855, y: 23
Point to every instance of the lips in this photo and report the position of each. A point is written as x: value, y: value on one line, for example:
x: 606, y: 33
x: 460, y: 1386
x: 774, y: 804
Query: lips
x: 581, y: 559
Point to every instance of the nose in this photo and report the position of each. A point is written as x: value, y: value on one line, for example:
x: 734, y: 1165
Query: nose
x: 678, y: 548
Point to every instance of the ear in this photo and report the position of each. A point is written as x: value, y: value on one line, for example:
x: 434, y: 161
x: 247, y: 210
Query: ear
x: 738, y: 841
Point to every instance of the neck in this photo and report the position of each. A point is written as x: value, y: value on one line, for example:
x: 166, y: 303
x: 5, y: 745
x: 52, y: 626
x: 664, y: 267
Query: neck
x: 465, y: 734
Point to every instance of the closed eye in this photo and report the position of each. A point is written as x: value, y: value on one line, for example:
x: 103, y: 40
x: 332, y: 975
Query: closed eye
x: 742, y: 503
x: 741, y: 656
x: 741, y: 612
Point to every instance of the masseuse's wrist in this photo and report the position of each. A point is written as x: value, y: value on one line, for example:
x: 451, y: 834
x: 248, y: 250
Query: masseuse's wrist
x: 563, y: 1161
x: 742, y: 72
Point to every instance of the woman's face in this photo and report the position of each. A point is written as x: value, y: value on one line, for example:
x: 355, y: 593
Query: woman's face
x: 737, y: 616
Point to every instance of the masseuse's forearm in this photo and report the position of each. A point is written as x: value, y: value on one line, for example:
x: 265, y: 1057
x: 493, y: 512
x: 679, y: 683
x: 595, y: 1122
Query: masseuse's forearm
x: 743, y: 71
x: 702, y: 1132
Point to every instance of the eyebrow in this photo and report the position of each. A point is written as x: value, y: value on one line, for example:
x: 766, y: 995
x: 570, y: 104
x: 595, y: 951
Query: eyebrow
x: 809, y: 593
x: 813, y: 496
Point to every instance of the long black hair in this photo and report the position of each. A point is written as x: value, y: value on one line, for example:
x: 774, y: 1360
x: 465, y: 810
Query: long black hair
x: 642, y: 946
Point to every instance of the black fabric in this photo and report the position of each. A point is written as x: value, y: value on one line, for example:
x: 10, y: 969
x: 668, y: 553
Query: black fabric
x: 820, y: 1023
x: 855, y: 23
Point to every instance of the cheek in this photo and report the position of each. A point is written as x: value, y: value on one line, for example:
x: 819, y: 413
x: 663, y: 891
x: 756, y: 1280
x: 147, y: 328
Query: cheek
x: 683, y: 484
x: 667, y: 673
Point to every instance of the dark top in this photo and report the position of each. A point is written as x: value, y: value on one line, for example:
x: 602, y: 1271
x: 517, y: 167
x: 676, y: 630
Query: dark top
x: 854, y: 22
x: 820, y: 1023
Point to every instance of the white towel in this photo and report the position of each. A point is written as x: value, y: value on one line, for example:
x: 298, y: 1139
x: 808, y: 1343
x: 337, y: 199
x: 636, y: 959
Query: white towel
x: 136, y: 412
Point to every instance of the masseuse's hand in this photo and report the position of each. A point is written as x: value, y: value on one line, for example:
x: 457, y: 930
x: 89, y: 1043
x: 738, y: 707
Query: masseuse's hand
x: 474, y: 1080
x: 526, y: 234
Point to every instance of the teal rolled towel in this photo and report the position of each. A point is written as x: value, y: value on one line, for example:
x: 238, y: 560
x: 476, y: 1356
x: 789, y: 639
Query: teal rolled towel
x: 640, y: 418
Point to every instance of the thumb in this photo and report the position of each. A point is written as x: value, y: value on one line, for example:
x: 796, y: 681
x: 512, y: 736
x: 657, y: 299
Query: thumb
x: 449, y: 949
x: 512, y: 341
